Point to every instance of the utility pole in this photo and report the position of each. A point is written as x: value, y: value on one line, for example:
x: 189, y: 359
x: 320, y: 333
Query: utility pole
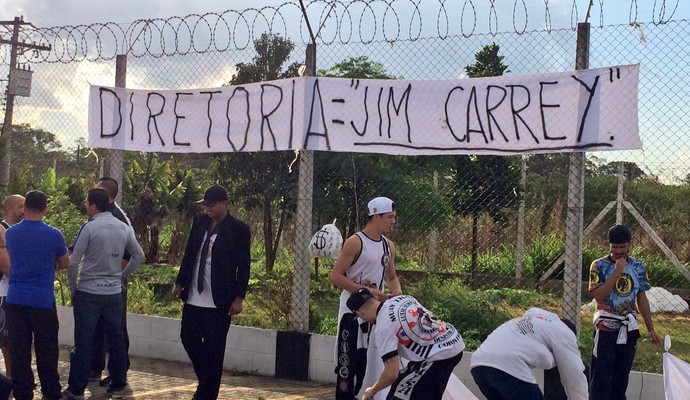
x: 17, y: 47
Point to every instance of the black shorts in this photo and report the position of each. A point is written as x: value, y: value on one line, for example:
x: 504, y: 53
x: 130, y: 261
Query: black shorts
x: 4, y: 337
x: 423, y: 380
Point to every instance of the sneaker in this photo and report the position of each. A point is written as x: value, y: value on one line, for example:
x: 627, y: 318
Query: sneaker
x: 116, y: 393
x: 94, y: 376
x: 67, y: 395
x: 105, y: 381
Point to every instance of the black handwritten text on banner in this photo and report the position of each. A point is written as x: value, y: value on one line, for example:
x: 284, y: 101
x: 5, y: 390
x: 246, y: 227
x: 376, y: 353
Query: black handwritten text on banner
x: 584, y: 110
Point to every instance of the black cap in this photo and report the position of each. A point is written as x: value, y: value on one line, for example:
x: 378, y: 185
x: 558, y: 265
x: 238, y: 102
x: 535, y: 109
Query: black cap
x: 213, y: 195
x: 358, y: 298
x: 619, y: 234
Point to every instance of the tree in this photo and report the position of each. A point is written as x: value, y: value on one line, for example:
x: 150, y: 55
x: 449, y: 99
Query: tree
x: 358, y: 68
x: 485, y: 184
x: 264, y: 180
x: 487, y: 63
x: 598, y: 167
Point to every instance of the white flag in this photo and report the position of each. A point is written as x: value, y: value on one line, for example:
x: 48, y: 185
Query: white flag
x: 676, y: 377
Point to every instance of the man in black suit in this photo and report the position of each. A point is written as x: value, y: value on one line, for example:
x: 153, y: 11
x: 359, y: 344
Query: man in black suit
x: 212, y: 282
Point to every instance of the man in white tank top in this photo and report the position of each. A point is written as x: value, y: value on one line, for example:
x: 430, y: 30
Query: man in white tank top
x: 366, y: 260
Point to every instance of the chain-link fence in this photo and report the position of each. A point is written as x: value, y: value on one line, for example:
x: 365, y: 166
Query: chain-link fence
x: 486, y: 232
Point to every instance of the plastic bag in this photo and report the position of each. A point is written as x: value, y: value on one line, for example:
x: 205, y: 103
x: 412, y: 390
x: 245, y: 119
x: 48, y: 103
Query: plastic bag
x: 327, y: 242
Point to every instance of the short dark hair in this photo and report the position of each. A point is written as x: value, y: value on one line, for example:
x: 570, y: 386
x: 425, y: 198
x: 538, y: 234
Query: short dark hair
x: 98, y: 197
x: 619, y: 234
x: 110, y: 185
x: 35, y: 200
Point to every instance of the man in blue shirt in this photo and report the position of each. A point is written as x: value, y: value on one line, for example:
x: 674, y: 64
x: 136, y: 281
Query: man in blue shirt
x: 619, y: 284
x: 34, y: 248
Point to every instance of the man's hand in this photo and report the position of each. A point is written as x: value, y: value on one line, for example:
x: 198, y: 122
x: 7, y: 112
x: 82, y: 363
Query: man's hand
x: 620, y: 264
x: 177, y: 292
x: 380, y: 296
x: 655, y: 338
x: 236, y: 306
x: 369, y: 393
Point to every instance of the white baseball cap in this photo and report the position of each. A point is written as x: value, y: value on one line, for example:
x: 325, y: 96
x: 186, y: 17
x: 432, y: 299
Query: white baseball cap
x: 381, y: 205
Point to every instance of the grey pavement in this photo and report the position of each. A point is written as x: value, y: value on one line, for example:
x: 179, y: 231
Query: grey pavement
x: 168, y: 380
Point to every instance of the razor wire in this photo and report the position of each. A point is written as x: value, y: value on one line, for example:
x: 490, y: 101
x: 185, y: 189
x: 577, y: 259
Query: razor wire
x: 344, y: 22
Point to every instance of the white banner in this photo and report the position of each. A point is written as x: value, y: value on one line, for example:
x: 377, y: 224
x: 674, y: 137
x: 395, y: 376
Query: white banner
x: 584, y: 110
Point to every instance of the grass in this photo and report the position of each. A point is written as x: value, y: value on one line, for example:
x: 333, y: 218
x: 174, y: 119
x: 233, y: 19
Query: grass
x: 474, y: 312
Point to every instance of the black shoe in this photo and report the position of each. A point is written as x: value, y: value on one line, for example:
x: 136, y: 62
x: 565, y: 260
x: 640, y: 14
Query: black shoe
x: 105, y: 381
x: 115, y: 393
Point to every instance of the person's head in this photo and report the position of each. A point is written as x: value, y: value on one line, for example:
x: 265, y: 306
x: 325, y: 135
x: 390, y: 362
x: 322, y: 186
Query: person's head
x: 97, y: 200
x: 619, y: 240
x: 110, y: 185
x: 14, y: 208
x: 364, y: 305
x: 35, y: 204
x: 382, y: 214
x: 215, y: 202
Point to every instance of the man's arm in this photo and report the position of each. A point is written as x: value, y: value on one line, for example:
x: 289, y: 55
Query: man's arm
x: 338, y: 277
x: 568, y: 359
x: 387, y: 378
x: 643, y: 307
x: 137, y: 254
x: 78, y: 250
x: 601, y: 292
x: 243, y: 269
x: 392, y: 281
x: 185, y: 265
x: 4, y: 256
x: 63, y: 261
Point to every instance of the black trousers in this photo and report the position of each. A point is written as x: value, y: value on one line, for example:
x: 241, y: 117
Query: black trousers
x: 40, y: 326
x: 423, y: 380
x: 203, y: 334
x: 99, y: 347
x: 610, y: 369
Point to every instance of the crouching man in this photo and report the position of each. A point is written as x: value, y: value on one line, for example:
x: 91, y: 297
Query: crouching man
x: 404, y: 328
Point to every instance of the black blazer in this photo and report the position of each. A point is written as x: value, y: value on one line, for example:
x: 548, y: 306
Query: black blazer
x: 229, y: 259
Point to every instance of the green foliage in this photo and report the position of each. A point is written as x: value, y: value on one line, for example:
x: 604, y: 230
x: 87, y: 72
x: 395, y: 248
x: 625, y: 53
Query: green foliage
x: 540, y: 253
x: 272, y: 51
x: 488, y: 63
x: 358, y: 68
x: 162, y: 194
x: 474, y: 313
x: 63, y: 214
x: 662, y: 272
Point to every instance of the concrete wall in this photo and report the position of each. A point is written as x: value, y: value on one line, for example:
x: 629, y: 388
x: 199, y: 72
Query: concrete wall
x: 254, y: 350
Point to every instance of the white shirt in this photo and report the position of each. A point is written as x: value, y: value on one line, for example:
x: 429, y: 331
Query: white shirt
x: 405, y: 327
x: 537, y: 339
x: 205, y: 298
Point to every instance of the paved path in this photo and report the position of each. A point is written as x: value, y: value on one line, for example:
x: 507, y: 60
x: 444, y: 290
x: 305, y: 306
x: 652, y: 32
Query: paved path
x: 166, y: 380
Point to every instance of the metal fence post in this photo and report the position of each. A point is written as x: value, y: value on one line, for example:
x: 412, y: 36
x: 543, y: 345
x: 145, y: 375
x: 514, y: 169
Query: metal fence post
x: 572, y: 275
x: 299, y: 310
x: 116, y: 168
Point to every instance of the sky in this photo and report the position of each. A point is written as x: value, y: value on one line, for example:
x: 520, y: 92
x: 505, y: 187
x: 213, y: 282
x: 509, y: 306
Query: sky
x: 75, y: 12
x: 530, y: 15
